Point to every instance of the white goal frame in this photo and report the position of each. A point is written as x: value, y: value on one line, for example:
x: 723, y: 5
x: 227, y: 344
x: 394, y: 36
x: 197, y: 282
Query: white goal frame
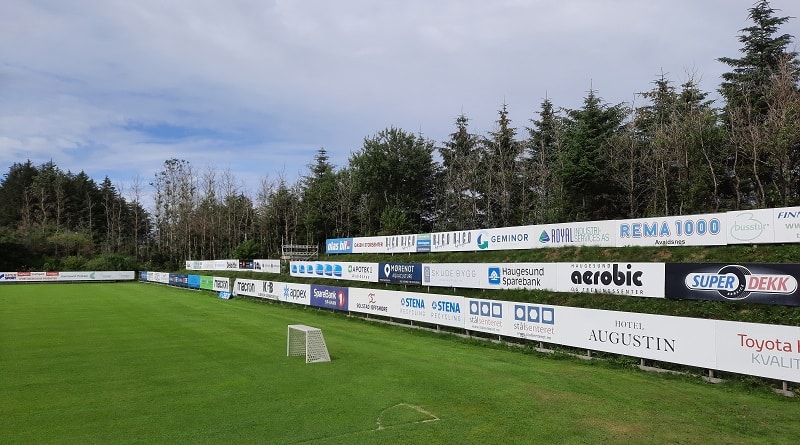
x: 308, y: 341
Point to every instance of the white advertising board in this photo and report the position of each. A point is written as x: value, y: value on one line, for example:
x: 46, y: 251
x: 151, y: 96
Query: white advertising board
x: 535, y: 276
x: 221, y: 284
x: 634, y: 279
x: 445, y: 310
x: 369, y: 244
x: 690, y: 230
x: 400, y: 243
x: 337, y: 270
x: 270, y: 290
x: 589, y: 233
x: 787, y: 225
x: 751, y: 227
x: 295, y: 293
x: 11, y: 277
x: 770, y: 351
x: 226, y: 265
x: 507, y: 238
x: 688, y: 341
x: 268, y: 266
x: 456, y: 241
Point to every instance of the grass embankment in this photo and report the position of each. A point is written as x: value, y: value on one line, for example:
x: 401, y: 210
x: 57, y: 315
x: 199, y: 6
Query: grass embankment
x: 139, y: 363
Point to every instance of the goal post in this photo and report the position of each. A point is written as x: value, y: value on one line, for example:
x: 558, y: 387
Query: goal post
x: 308, y: 341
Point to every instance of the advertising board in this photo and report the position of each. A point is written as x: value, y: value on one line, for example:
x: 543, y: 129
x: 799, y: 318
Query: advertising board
x: 267, y: 266
x: 589, y: 233
x: 690, y: 230
x: 747, y: 282
x: 329, y: 297
x: 786, y: 225
x: 339, y: 245
x: 444, y: 310
x: 352, y: 271
x: 370, y: 244
x: 751, y: 227
x: 294, y: 293
x: 770, y: 351
x: 221, y: 284
x: 634, y: 279
x: 400, y: 273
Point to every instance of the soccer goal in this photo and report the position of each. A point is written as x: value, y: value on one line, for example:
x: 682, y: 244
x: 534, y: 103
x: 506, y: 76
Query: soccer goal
x: 308, y: 341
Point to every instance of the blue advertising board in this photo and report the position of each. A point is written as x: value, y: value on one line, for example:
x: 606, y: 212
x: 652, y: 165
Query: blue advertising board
x: 329, y: 297
x: 143, y: 275
x: 193, y: 281
x: 400, y: 273
x: 339, y: 245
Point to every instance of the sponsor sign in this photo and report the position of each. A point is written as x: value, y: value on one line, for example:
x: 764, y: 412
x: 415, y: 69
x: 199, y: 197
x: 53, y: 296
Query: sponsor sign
x: 142, y: 276
x: 424, y: 242
x: 220, y: 283
x: 506, y: 238
x: 268, y: 266
x: 294, y: 293
x: 193, y: 281
x: 230, y: 265
x: 246, y: 265
x: 787, y: 225
x: 329, y: 297
x: 401, y: 243
x: 691, y: 230
x: 242, y: 286
x: 751, y: 227
x: 758, y: 349
x: 206, y: 282
x: 638, y: 335
x: 352, y: 271
x: 339, y: 245
x: 370, y: 244
x: 458, y: 241
x: 535, y: 276
x: 225, y: 295
x: 486, y: 316
x: 533, y: 321
x: 591, y: 233
x: 179, y: 279
x: 750, y: 283
x: 375, y: 301
x: 634, y: 279
x: 400, y: 273
x: 463, y: 275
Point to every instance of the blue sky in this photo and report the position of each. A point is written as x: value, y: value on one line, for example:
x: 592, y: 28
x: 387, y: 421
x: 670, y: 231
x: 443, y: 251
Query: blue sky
x: 256, y: 87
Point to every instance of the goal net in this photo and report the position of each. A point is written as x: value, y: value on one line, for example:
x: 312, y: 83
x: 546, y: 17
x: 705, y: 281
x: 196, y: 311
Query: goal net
x: 308, y: 341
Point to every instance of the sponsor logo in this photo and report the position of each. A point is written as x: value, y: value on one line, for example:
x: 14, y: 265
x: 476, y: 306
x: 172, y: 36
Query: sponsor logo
x: 746, y: 227
x: 372, y: 304
x: 241, y: 286
x: 663, y: 229
x: 486, y: 308
x: 734, y: 282
x: 231, y: 264
x: 294, y: 294
x: 401, y: 242
x: 494, y: 275
x: 412, y: 306
x: 483, y: 240
x: 446, y: 310
x: 320, y: 269
x: 455, y: 239
x: 338, y: 245
x: 535, y: 322
x: 607, y: 279
x: 295, y: 269
x: 534, y: 314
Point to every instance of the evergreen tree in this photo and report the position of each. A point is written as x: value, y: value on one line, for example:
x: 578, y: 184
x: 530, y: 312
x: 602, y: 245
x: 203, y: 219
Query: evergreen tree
x: 502, y: 186
x: 395, y: 170
x: 762, y: 53
x: 544, y: 146
x: 584, y: 171
x: 319, y: 200
x: 459, y: 184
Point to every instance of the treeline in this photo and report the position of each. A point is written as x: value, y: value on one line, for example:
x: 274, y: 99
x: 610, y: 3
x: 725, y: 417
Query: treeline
x: 675, y: 153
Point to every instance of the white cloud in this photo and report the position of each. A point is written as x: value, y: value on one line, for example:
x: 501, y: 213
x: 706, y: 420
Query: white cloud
x: 266, y: 83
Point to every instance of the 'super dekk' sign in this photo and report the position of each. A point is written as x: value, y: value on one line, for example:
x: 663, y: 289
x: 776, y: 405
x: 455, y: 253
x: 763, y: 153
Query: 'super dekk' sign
x: 751, y: 283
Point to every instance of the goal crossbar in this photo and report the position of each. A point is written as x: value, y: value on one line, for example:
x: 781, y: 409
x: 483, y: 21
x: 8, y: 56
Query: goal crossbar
x: 308, y: 341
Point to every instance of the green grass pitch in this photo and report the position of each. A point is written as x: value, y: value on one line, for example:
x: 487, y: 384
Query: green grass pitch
x: 138, y: 363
